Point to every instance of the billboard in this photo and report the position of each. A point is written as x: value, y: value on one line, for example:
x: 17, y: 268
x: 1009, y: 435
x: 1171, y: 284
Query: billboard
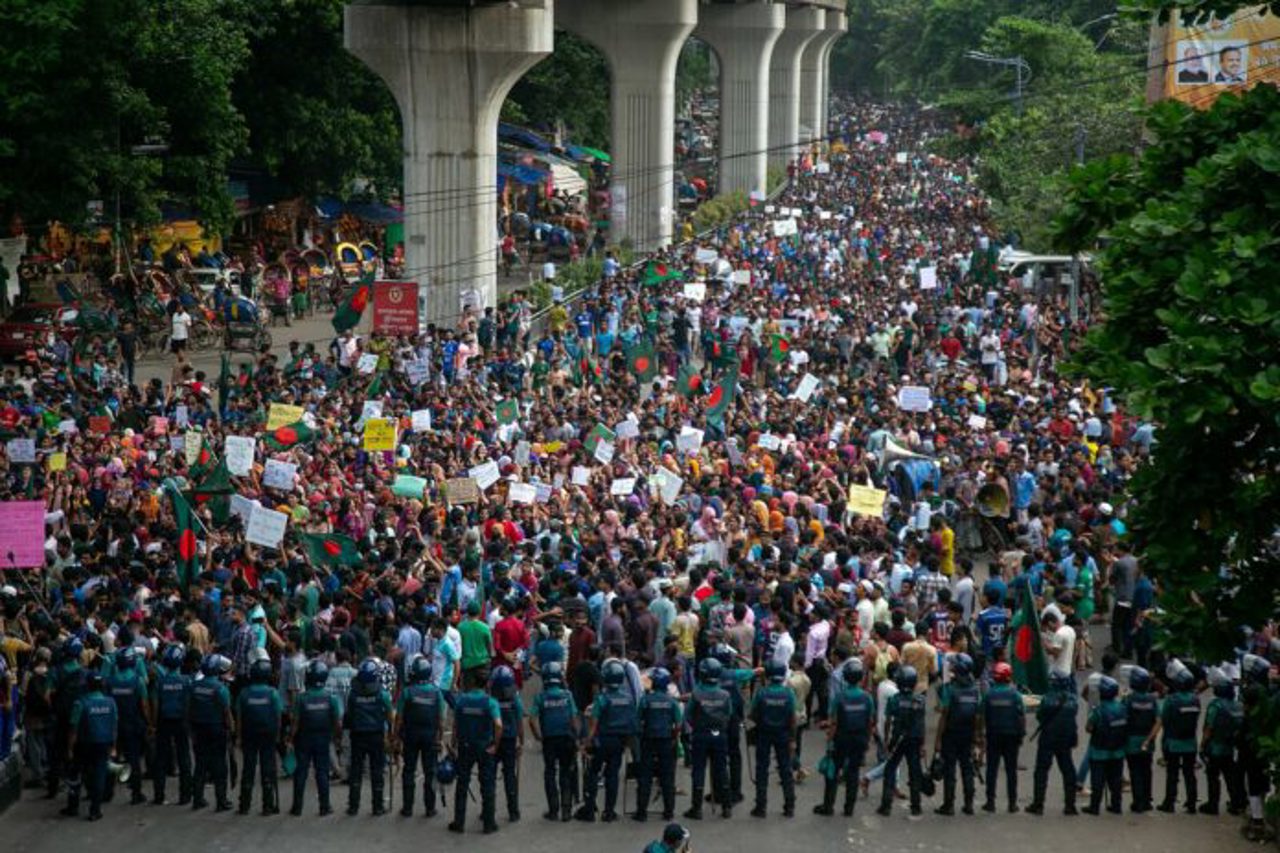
x: 1198, y: 56
x: 395, y: 307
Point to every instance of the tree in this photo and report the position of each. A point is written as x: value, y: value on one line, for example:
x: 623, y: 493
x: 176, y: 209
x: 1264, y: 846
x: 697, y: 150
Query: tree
x: 1191, y: 265
x: 571, y: 87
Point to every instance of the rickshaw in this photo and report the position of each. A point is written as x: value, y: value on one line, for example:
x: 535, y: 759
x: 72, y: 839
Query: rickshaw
x: 348, y: 260
x: 244, y: 329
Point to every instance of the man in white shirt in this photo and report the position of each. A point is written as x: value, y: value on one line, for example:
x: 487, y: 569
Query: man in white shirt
x: 1059, y: 641
x: 180, y: 329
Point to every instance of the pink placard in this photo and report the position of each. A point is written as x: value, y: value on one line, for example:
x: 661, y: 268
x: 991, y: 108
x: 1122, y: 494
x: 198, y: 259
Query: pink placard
x: 21, y: 534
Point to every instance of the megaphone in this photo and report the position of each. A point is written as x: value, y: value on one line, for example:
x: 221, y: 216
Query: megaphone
x: 894, y: 452
x: 993, y: 501
x: 119, y: 772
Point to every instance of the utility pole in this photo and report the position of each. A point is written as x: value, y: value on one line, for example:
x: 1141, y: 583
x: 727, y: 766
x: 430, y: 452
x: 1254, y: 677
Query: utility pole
x: 1081, y: 137
x: 1020, y: 66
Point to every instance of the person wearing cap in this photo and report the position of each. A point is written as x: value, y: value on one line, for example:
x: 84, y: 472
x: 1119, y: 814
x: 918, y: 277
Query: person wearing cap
x: 210, y: 718
x: 675, y: 839
x: 1179, y: 719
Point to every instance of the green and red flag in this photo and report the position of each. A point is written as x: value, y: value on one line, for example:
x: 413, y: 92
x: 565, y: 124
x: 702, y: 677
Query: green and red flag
x: 215, y: 491
x: 187, y: 564
x: 331, y: 549
x: 689, y: 381
x: 508, y: 412
x: 656, y: 272
x: 287, y: 436
x: 587, y: 368
x: 721, y: 395
x: 642, y: 361
x: 779, y: 347
x: 352, y: 309
x: 598, y: 433
x: 1026, y: 651
x: 378, y: 386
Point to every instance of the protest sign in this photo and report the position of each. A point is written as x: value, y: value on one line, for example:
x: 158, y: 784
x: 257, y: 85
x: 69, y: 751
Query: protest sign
x: 380, y: 434
x: 279, y: 475
x: 238, y: 452
x: 266, y: 527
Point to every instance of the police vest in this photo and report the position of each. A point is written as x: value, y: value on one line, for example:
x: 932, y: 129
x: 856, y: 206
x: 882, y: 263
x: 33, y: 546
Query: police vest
x: 657, y: 715
x: 737, y: 704
x: 97, y: 719
x: 475, y: 725
x: 70, y: 684
x: 127, y: 693
x: 1227, y: 724
x: 1110, y: 727
x: 617, y: 715
x: 555, y: 714
x: 205, y: 708
x: 908, y: 722
x: 259, y: 714
x: 172, y: 688
x: 1140, y: 714
x: 315, y: 713
x: 1058, y: 720
x: 712, y: 710
x: 853, y: 714
x: 774, y: 709
x: 510, y: 718
x: 1181, y: 714
x: 365, y: 711
x: 423, y: 704
x: 1001, y: 715
x: 962, y: 709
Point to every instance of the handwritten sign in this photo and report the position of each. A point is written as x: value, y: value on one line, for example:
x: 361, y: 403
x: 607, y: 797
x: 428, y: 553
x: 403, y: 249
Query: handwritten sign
x: 742, y: 276
x: 21, y: 450
x: 279, y: 475
x: 695, y: 290
x: 521, y: 455
x: 462, y: 490
x: 485, y: 475
x: 668, y: 484
x: 280, y: 414
x: 807, y: 386
x: 266, y: 527
x: 367, y: 364
x: 581, y: 475
x: 622, y: 486
x: 768, y: 441
x: 22, y: 533
x: 977, y: 422
x: 417, y: 371
x: 57, y: 462
x: 627, y: 428
x: 866, y: 500
x: 242, y: 508
x: 604, y: 452
x: 238, y: 451
x: 380, y: 434
x: 928, y: 278
x: 420, y: 420
x: 100, y: 424
x: 914, y: 398
x: 689, y: 440
x: 522, y: 493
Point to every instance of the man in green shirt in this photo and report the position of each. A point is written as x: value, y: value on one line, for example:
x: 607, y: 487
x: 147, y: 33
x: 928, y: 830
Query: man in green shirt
x: 477, y: 641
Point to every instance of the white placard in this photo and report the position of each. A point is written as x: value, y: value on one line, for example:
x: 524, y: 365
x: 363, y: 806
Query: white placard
x: 242, y: 507
x: 192, y: 446
x: 367, y: 364
x: 669, y: 485
x: 735, y: 455
x: 705, y: 256
x: 266, y: 527
x: 784, y: 227
x: 695, y: 290
x: 914, y: 398
x: 689, y: 440
x: 769, y: 441
x: 68, y: 427
x: 238, y: 450
x: 178, y: 443
x: 485, y: 475
x: 627, y: 428
x: 279, y: 475
x: 808, y: 385
x: 604, y: 452
x: 900, y: 158
x: 769, y: 209
x: 371, y: 409
x: 416, y: 371
x: 822, y: 168
x: 928, y: 278
x: 420, y: 420
x: 977, y: 422
x: 824, y: 215
x: 522, y: 493
x: 521, y: 455
x: 182, y: 416
x: 21, y: 450
x: 622, y: 486
x: 581, y: 475
x: 742, y: 276
x: 544, y: 492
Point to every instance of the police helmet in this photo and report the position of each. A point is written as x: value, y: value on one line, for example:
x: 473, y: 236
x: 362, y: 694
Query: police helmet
x: 1179, y: 675
x: 502, y: 682
x: 93, y: 680
x: 674, y: 835
x: 1139, y: 679
x: 961, y: 665
x: 775, y: 672
x: 126, y: 658
x: 215, y: 666
x: 72, y: 648
x: 1108, y: 688
x: 367, y: 674
x: 260, y: 672
x: 173, y: 656
x: 317, y: 673
x: 1002, y: 673
x: 853, y: 671
x: 553, y: 673
x: 709, y: 670
x: 906, y: 678
x: 614, y: 674
x: 725, y: 654
x: 660, y: 679
x: 420, y: 670
x: 1256, y: 668
x: 446, y: 772
x: 1226, y: 690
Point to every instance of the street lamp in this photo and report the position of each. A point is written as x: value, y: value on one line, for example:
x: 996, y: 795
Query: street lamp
x: 1020, y: 65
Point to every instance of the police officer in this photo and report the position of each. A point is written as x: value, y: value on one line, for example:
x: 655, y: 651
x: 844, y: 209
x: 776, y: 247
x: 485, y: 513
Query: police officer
x: 169, y: 710
x: 477, y: 728
x: 129, y: 690
x: 773, y: 710
x: 1140, y: 724
x: 502, y: 686
x: 67, y: 687
x: 420, y: 727
x: 258, y: 712
x: 709, y: 711
x: 1260, y: 701
x: 905, y: 713
x: 317, y: 723
x: 554, y: 722
x: 660, y: 721
x: 1223, y: 724
x: 1004, y: 725
x: 209, y: 715
x: 613, y: 724
x: 93, y: 731
x: 370, y: 717
x: 851, y: 720
x: 1058, y: 735
x: 1107, y: 727
x: 957, y: 728
x: 1179, y: 719
x: 733, y: 679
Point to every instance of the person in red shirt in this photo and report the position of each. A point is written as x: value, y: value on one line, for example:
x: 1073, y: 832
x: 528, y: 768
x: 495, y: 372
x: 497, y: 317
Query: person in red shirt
x: 951, y: 346
x: 509, y: 637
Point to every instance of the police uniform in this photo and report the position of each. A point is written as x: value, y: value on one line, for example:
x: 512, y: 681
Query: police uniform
x: 1058, y: 736
x: 68, y: 685
x: 555, y: 711
x: 616, y: 721
x: 94, y: 719
x: 773, y: 710
x: 1179, y: 717
x: 1140, y: 710
x: 316, y: 714
x: 1004, y: 722
x: 851, y: 711
x: 173, y: 743
x: 129, y: 691
x: 206, y: 714
x: 512, y: 711
x: 475, y: 713
x: 1108, y: 729
x: 420, y: 712
x: 660, y: 719
x: 961, y: 701
x: 366, y: 716
x: 1224, y: 719
x: 709, y: 712
x: 731, y: 681
x: 905, y: 712
x: 259, y: 709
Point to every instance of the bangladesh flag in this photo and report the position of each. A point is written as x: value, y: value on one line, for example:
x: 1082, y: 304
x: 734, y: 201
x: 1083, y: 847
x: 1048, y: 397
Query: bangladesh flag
x: 331, y: 549
x: 723, y: 354
x: 508, y: 412
x: 378, y: 386
x: 598, y: 433
x: 657, y: 271
x: 689, y: 381
x: 187, y: 562
x: 203, y: 465
x: 586, y: 368
x: 641, y: 360
x: 779, y: 347
x: 349, y: 312
x: 717, y: 402
x: 289, y: 435
x: 1026, y: 653
x: 215, y: 490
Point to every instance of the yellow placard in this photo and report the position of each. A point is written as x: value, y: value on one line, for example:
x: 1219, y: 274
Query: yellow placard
x: 866, y: 500
x: 380, y: 434
x: 280, y: 414
x: 57, y: 462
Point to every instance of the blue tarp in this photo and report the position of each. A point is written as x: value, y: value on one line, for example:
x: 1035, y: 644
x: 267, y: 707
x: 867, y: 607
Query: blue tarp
x: 522, y: 174
x: 522, y: 136
x: 374, y: 212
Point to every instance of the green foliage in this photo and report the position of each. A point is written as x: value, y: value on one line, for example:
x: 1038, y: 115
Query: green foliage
x: 1192, y: 270
x: 576, y: 277
x: 715, y: 212
x: 571, y: 87
x: 693, y: 70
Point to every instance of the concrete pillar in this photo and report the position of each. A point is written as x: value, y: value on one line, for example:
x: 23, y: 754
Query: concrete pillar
x: 642, y: 41
x: 450, y: 70
x: 814, y: 67
x: 804, y: 23
x: 743, y: 37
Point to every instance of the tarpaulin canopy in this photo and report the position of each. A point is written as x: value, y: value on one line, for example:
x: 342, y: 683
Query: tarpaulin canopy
x: 522, y: 136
